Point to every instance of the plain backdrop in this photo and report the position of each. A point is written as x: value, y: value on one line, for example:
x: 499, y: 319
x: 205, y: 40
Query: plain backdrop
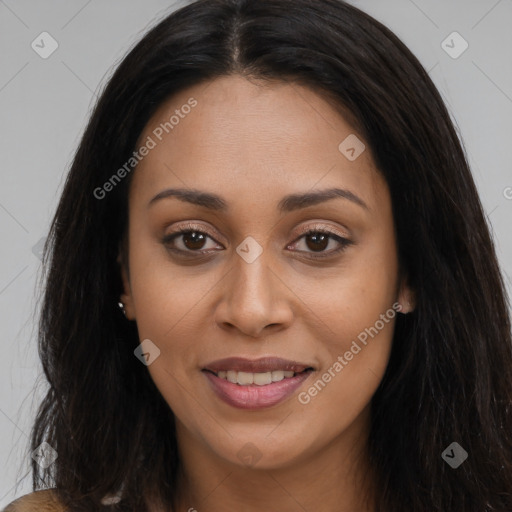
x: 45, y: 102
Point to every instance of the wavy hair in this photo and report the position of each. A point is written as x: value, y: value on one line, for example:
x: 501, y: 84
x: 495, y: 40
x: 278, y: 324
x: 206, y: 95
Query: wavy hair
x: 449, y: 376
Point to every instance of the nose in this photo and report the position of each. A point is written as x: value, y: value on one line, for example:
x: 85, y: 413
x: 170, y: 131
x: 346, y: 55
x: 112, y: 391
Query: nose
x: 255, y: 300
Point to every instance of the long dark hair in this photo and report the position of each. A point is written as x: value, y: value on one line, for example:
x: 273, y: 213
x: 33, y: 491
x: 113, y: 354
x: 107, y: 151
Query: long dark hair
x: 449, y: 378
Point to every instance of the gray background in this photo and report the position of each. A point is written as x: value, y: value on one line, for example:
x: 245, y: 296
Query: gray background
x: 45, y: 104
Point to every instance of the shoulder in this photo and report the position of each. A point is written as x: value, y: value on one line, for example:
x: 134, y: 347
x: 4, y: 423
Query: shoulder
x: 38, y: 501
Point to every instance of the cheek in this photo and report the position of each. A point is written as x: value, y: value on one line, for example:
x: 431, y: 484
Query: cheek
x: 168, y: 307
x: 167, y: 296
x: 355, y: 365
x: 352, y: 298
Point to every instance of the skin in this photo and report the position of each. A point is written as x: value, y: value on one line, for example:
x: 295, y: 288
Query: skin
x: 253, y: 143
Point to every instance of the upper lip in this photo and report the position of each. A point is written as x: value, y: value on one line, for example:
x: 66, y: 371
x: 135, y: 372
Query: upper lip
x: 262, y: 365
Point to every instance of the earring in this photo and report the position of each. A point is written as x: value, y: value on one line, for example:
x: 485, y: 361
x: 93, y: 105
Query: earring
x: 408, y: 303
x: 121, y: 305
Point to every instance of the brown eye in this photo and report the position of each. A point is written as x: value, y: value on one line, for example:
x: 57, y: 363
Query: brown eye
x: 317, y: 241
x: 193, y: 240
x: 188, y: 241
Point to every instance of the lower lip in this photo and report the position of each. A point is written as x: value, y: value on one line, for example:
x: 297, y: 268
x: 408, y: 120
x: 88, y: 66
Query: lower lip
x: 253, y: 396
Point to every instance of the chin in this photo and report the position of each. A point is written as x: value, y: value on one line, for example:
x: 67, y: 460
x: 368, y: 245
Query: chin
x: 260, y: 452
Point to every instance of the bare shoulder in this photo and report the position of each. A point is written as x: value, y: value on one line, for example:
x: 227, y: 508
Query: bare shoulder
x: 38, y: 501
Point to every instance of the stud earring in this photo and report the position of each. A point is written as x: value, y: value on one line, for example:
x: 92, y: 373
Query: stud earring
x: 121, y: 305
x: 408, y: 304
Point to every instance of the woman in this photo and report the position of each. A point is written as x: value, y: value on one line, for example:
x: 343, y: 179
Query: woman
x: 312, y: 314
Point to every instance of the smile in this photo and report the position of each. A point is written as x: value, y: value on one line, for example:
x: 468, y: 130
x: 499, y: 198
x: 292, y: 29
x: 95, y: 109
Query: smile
x: 258, y: 384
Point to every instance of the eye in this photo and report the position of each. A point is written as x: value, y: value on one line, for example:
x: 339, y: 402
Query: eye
x: 192, y: 240
x: 318, y: 239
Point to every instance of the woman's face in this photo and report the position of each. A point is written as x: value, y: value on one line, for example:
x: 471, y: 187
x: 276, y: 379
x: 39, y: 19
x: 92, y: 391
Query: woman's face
x: 309, y: 318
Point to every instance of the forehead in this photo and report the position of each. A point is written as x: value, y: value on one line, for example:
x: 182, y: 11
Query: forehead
x: 267, y: 138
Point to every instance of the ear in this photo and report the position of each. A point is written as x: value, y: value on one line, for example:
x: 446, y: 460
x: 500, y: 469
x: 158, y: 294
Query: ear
x: 406, y: 298
x: 126, y: 297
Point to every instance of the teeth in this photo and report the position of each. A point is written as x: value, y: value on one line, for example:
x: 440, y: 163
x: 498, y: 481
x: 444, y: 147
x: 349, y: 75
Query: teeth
x: 262, y: 379
x: 244, y: 379
x: 278, y: 375
x: 259, y: 379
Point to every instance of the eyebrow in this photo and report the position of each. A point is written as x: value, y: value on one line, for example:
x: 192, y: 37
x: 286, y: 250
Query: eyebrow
x: 287, y: 204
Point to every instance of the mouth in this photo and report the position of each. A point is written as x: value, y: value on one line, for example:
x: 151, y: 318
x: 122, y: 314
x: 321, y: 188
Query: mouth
x: 255, y: 384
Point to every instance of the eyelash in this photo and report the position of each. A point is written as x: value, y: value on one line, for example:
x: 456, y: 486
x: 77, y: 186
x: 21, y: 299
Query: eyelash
x: 189, y: 228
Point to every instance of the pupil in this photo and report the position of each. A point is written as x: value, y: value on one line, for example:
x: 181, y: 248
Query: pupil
x: 317, y: 238
x: 197, y: 240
